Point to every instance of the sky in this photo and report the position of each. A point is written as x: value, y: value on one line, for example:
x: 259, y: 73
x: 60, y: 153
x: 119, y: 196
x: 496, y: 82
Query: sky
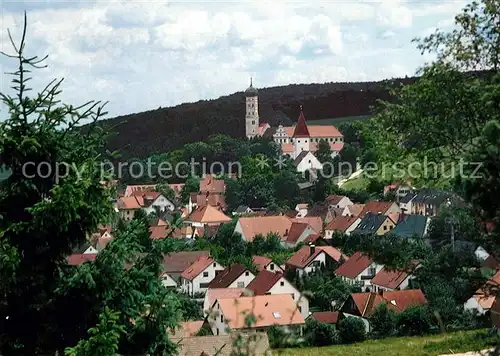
x: 140, y: 55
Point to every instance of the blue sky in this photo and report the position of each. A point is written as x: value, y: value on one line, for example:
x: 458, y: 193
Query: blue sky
x: 140, y: 55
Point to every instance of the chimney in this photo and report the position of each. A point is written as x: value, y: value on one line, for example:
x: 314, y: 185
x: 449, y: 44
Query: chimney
x: 312, y: 249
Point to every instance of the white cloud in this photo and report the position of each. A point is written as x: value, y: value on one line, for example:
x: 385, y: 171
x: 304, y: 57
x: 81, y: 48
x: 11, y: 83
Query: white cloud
x: 140, y: 55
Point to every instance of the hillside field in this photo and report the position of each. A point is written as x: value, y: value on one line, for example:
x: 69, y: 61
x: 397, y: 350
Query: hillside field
x: 338, y: 120
x: 435, y: 345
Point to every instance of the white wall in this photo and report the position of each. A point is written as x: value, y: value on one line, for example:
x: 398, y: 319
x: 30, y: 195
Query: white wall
x: 90, y: 250
x: 472, y: 304
x: 300, y: 144
x: 309, y: 161
x: 364, y: 283
x: 239, y: 230
x: 345, y: 201
x: 273, y: 267
x: 329, y: 233
x: 314, y: 264
x: 217, y: 324
x: 252, y: 115
x: 245, y: 278
x: 168, y: 281
x: 206, y: 276
x: 285, y: 287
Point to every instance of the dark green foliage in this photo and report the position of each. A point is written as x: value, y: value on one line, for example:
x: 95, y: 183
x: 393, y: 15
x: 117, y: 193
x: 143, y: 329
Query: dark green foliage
x: 320, y: 334
x: 415, y: 320
x: 192, y: 185
x: 166, y: 191
x: 190, y: 309
x: 383, y: 321
x: 351, y: 330
x: 325, y: 289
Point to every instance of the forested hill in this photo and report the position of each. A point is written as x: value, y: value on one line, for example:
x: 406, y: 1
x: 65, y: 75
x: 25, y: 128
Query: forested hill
x: 141, y: 134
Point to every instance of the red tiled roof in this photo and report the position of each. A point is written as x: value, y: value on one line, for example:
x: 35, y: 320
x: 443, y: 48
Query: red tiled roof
x: 214, y: 199
x: 315, y: 221
x: 177, y: 262
x: 356, y: 264
x: 196, y: 268
x: 296, y: 229
x: 391, y: 279
x: 261, y: 262
x: 303, y: 257
x: 341, y: 223
x: 158, y: 232
x: 264, y: 281
x: 227, y: 276
x: 301, y: 127
x: 398, y: 301
x: 326, y: 317
x: 208, y: 215
x: 334, y: 199
x: 212, y: 185
x: 376, y: 207
x: 77, y: 258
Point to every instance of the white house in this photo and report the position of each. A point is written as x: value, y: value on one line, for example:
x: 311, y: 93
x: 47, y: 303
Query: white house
x: 90, y: 250
x: 275, y: 283
x: 360, y: 270
x: 301, y: 210
x: 157, y: 201
x: 390, y: 280
x: 341, y: 224
x: 307, y: 161
x: 168, y: 281
x: 234, y: 276
x: 405, y: 202
x: 196, y: 278
x: 266, y: 264
x: 310, y: 258
x: 219, y: 293
x: 338, y: 201
x: 230, y: 313
x: 484, y: 297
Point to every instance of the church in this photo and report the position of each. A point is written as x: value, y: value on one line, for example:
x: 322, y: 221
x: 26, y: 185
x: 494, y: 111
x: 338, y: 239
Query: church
x: 293, y: 139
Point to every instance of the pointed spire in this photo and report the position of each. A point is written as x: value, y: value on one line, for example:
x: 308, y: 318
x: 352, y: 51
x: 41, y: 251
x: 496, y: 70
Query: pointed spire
x: 251, y: 81
x: 301, y: 129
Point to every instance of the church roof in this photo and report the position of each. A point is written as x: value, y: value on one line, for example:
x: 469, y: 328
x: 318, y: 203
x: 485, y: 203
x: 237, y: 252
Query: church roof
x: 301, y: 129
x: 251, y: 91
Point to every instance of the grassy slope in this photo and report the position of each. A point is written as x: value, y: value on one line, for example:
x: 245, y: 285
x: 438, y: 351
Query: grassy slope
x: 462, y: 341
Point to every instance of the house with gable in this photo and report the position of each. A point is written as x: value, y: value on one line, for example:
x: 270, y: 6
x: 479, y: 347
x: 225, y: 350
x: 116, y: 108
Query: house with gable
x: 234, y: 276
x: 149, y: 201
x: 341, y: 224
x: 382, y: 207
x: 363, y: 305
x: 338, y: 201
x: 412, y: 226
x: 307, y: 164
x: 211, y: 185
x: 175, y: 263
x: 207, y: 215
x: 484, y: 297
x: 387, y: 280
x: 310, y: 258
x: 269, y: 310
x: 213, y: 294
x: 301, y: 210
x: 374, y: 224
x: 429, y: 202
x: 266, y: 264
x: 268, y: 283
x: 196, y: 278
x: 359, y: 269
x: 353, y: 210
x: 77, y: 259
x: 326, y: 317
x: 197, y: 200
x: 406, y: 201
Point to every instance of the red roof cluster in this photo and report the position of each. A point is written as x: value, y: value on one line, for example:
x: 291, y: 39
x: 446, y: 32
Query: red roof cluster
x: 356, y: 264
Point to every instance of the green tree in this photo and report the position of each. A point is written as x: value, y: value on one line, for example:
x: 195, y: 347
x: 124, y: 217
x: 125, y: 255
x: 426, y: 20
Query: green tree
x: 320, y: 334
x: 192, y: 185
x: 166, y: 191
x: 44, y: 217
x: 383, y: 321
x: 351, y: 330
x: 413, y: 321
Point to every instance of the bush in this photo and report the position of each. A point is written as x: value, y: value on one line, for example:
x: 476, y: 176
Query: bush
x: 383, y: 321
x: 414, y: 321
x: 320, y: 334
x: 351, y: 330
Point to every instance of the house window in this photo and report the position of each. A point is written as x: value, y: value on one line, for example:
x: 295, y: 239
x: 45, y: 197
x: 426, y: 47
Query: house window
x: 293, y: 296
x: 300, y: 309
x: 372, y: 271
x: 271, y: 266
x: 217, y: 331
x: 240, y: 285
x: 253, y: 122
x: 222, y: 318
x: 385, y: 227
x: 298, y: 141
x: 205, y: 274
x: 282, y: 283
x: 247, y: 273
x: 215, y: 265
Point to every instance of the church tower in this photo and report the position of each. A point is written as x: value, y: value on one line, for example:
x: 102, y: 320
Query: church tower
x: 301, y: 136
x: 252, y: 111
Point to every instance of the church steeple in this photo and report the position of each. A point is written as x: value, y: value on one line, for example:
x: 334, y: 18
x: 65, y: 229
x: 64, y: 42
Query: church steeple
x: 252, y: 111
x: 301, y: 129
